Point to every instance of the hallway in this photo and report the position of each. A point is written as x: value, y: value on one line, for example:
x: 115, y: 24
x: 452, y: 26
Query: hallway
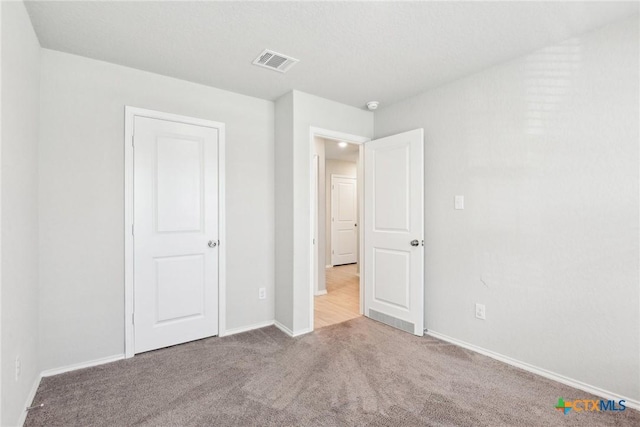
x: 342, y: 301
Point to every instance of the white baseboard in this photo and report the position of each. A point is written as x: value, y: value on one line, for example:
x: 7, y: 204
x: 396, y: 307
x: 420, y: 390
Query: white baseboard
x: 328, y: 266
x: 82, y: 365
x: 247, y: 328
x: 283, y: 328
x: 302, y: 332
x: 290, y: 332
x: 323, y: 292
x: 631, y: 403
x: 29, y: 401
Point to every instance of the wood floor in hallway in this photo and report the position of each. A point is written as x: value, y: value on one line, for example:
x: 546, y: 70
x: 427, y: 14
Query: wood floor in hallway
x: 342, y: 301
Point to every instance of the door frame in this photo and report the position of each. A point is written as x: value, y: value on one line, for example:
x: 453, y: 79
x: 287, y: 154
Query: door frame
x: 333, y: 175
x: 315, y: 181
x: 313, y: 260
x: 129, y: 285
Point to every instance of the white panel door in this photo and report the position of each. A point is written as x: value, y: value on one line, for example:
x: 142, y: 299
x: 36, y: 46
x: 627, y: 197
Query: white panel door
x: 175, y: 233
x: 394, y: 224
x: 344, y: 220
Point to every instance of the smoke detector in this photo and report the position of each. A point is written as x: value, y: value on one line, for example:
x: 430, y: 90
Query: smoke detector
x: 372, y: 105
x: 274, y: 61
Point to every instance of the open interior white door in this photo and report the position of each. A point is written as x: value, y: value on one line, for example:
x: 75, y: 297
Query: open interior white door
x: 175, y: 232
x: 394, y: 231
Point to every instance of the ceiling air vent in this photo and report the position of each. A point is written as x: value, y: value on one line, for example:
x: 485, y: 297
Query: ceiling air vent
x: 275, y: 61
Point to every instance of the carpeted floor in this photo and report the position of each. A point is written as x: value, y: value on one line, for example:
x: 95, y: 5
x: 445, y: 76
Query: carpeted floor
x: 355, y: 373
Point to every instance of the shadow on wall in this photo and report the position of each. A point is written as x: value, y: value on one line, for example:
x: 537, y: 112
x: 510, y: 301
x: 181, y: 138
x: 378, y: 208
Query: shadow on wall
x: 549, y: 74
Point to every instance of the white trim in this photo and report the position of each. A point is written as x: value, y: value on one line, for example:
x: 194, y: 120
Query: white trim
x: 631, y: 403
x: 130, y: 114
x: 129, y: 295
x: 326, y: 133
x: 360, y: 183
x: 283, y: 328
x: 315, y: 207
x: 289, y: 331
x: 302, y: 332
x: 82, y: 365
x: 55, y: 371
x: 29, y: 401
x: 354, y: 139
x: 248, y: 328
x: 328, y: 266
x: 222, y: 231
x: 313, y: 213
x: 320, y: 293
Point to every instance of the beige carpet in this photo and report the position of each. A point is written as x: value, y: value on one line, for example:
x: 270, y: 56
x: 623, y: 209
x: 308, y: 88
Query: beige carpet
x: 358, y: 373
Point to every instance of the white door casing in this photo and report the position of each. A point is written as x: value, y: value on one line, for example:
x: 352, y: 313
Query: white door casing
x: 394, y: 230
x: 176, y: 231
x: 344, y: 220
x: 314, y: 219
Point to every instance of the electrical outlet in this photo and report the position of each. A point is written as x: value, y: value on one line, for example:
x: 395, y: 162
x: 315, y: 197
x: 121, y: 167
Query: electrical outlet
x: 262, y: 293
x: 18, y: 368
x: 480, y: 311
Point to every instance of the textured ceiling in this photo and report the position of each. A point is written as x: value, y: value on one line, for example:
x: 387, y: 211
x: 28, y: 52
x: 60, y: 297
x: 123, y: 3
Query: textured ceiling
x: 351, y: 52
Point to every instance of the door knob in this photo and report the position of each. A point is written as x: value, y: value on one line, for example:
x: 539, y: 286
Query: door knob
x: 415, y: 243
x: 212, y: 244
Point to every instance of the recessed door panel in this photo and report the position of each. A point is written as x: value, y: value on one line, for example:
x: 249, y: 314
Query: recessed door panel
x: 346, y: 242
x: 391, y: 188
x: 180, y: 287
x: 179, y: 181
x: 346, y: 208
x: 391, y: 277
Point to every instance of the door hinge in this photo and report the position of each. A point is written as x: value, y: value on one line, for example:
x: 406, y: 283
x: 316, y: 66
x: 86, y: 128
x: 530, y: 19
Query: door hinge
x: 333, y: 252
x: 132, y: 230
x: 333, y: 187
x: 133, y: 318
x: 133, y: 140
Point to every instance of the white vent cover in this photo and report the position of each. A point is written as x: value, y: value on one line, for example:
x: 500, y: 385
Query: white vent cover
x: 275, y: 61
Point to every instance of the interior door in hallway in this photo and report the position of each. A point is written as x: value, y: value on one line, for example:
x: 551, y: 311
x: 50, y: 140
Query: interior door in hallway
x: 344, y: 220
x: 394, y: 224
x: 175, y: 232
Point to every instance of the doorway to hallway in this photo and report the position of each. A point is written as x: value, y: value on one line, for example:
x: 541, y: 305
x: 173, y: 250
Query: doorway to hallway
x: 342, y: 300
x: 336, y: 238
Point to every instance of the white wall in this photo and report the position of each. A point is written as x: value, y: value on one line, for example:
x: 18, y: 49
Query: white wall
x: 545, y: 151
x: 20, y: 97
x: 296, y: 114
x: 335, y: 167
x: 82, y: 192
x: 284, y: 210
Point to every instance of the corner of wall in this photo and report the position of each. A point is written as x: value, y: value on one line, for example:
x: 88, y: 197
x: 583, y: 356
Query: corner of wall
x: 21, y: 57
